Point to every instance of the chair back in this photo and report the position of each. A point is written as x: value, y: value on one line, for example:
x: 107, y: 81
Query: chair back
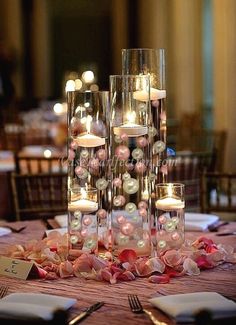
x: 186, y: 168
x: 202, y: 140
x: 12, y: 137
x: 218, y: 192
x: 36, y: 165
x: 39, y: 195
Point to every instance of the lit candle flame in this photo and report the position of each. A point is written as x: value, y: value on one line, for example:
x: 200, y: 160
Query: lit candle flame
x: 131, y: 116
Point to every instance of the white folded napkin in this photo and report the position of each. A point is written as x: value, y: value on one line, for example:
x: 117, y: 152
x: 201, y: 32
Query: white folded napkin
x: 62, y: 231
x: 23, y: 305
x: 62, y: 220
x: 199, y: 221
x: 4, y: 231
x: 184, y: 307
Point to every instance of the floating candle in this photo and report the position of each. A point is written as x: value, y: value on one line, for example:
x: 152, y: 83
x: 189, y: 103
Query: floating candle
x: 130, y: 128
x: 169, y: 203
x: 83, y: 205
x: 155, y: 94
x: 87, y: 139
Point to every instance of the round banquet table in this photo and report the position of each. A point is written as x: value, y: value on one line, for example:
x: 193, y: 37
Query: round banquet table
x: 116, y: 309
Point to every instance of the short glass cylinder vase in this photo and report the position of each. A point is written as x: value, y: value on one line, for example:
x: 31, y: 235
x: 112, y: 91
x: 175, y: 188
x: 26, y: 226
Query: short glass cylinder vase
x: 143, y: 61
x: 130, y: 149
x: 87, y: 169
x: 170, y: 205
x: 82, y: 208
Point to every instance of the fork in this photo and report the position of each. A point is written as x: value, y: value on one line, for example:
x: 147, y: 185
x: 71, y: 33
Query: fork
x: 3, y: 291
x: 136, y: 307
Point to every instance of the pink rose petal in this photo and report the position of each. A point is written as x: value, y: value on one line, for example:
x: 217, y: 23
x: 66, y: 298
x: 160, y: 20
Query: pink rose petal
x: 128, y: 255
x: 159, y: 278
x: 191, y: 267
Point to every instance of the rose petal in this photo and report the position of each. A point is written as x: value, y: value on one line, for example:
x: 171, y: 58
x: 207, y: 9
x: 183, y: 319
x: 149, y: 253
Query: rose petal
x: 172, y: 258
x: 191, y: 267
x: 164, y: 278
x: 128, y: 255
x: 65, y: 269
x: 126, y: 276
x: 156, y: 265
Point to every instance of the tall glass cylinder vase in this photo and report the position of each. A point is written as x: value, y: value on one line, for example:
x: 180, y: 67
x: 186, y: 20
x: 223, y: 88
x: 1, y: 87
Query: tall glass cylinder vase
x: 152, y: 62
x: 87, y: 169
x: 130, y: 143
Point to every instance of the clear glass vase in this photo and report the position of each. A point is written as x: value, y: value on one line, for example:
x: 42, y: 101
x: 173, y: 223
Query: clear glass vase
x: 143, y: 61
x: 151, y: 62
x: 130, y: 143
x: 170, y: 205
x: 87, y: 169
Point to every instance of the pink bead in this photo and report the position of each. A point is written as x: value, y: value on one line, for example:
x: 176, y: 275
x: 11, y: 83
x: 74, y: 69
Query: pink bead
x: 79, y: 170
x: 162, y: 232
x: 122, y: 199
x: 127, y: 228
x: 140, y: 167
x: 94, y: 163
x: 142, y: 205
x: 101, y: 154
x: 71, y: 154
x: 121, y: 219
x: 74, y: 145
x: 143, y: 212
x: 129, y: 167
x: 175, y: 236
x: 102, y: 213
x: 164, y: 169
x: 142, y: 142
x: 162, y: 219
x: 87, y: 221
x: 122, y: 152
x: 117, y: 182
x: 119, y: 200
x: 84, y: 232
x: 124, y: 137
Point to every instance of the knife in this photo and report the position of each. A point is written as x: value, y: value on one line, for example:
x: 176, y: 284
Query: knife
x: 226, y: 233
x: 215, y: 226
x: 86, y: 313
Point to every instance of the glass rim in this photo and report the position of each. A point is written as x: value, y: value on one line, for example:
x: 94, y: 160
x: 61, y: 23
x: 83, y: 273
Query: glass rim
x: 88, y: 91
x: 129, y: 76
x: 143, y: 49
x: 172, y: 184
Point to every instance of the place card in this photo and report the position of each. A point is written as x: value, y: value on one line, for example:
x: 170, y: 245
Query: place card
x: 16, y: 268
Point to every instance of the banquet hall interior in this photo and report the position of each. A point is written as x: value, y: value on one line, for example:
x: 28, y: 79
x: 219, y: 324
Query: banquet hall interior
x: 43, y: 44
x: 117, y: 188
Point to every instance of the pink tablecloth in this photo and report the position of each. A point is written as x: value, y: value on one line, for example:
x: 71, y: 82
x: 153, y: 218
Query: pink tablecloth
x: 116, y: 309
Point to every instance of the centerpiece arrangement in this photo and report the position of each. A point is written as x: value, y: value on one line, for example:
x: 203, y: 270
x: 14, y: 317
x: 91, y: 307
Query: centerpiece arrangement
x: 124, y: 220
x: 116, y: 144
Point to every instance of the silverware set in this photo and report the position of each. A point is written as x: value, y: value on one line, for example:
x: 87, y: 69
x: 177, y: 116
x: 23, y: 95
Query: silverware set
x: 137, y: 308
